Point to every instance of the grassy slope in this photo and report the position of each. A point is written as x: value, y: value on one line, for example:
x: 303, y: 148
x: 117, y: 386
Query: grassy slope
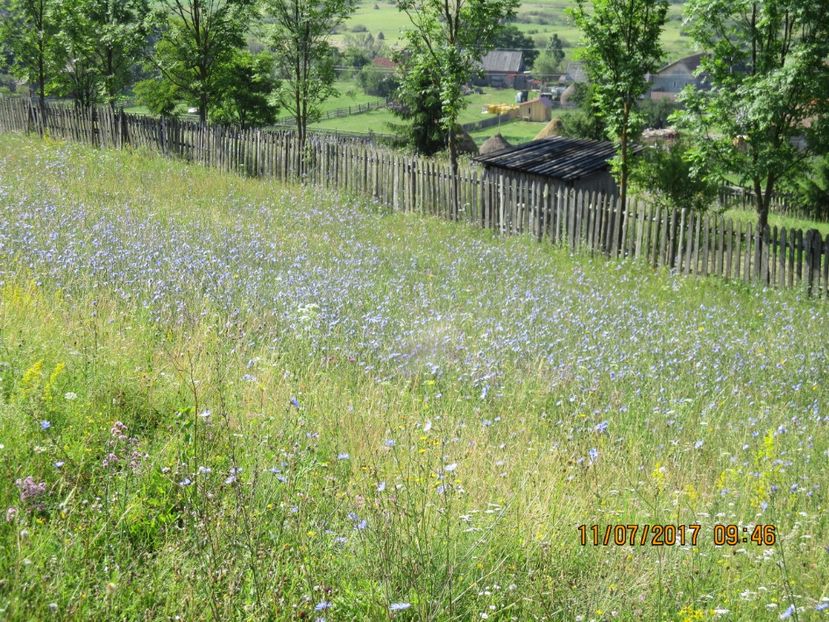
x: 377, y: 121
x: 388, y: 20
x: 526, y: 392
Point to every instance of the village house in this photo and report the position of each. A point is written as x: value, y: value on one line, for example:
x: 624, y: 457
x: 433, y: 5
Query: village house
x: 669, y: 81
x: 503, y: 69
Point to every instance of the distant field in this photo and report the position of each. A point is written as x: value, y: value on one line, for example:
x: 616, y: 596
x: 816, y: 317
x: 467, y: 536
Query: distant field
x: 377, y: 121
x: 539, y: 19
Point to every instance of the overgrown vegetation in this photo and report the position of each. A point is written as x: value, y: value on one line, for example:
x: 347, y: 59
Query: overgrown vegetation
x: 224, y: 398
x: 767, y: 113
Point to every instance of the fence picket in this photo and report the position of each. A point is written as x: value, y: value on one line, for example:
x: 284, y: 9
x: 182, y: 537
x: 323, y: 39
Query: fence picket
x: 689, y: 242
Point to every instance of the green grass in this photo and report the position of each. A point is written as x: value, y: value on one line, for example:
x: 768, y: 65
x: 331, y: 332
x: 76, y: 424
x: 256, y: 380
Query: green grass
x: 349, y: 93
x: 515, y: 132
x: 217, y: 380
x: 777, y: 220
x: 387, y: 19
x: 377, y: 121
x: 374, y: 121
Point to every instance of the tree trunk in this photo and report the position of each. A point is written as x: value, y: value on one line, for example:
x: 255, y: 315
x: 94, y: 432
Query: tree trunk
x: 453, y: 166
x: 42, y: 92
x: 203, y: 109
x: 623, y: 174
x: 762, y: 201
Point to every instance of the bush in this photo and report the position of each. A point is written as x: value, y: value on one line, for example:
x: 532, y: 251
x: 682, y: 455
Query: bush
x: 666, y: 176
x: 377, y: 82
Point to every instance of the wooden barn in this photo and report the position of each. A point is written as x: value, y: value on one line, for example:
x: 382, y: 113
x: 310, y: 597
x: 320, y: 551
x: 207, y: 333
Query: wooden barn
x: 577, y: 163
x: 537, y: 109
x: 503, y: 69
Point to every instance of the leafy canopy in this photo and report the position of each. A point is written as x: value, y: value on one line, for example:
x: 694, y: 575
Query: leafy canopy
x: 767, y: 111
x: 304, y: 56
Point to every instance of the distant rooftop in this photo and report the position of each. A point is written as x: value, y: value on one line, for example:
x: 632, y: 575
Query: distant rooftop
x: 502, y: 61
x: 690, y: 62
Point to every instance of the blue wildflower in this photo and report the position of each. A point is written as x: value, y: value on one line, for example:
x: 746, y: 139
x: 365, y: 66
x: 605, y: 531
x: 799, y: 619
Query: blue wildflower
x: 399, y: 606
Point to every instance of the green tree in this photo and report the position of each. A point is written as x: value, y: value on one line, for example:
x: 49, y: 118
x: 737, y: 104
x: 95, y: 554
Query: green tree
x: 448, y: 38
x: 95, y: 46
x: 196, y: 39
x: 769, y: 87
x: 304, y: 55
x: 509, y: 37
x: 248, y: 88
x: 556, y: 50
x: 417, y: 103
x: 622, y: 45
x: 28, y: 32
x: 549, y: 61
x: 360, y: 48
x: 161, y: 97
x: 122, y: 40
x: 586, y: 122
x: 378, y: 82
x: 667, y: 178
x: 813, y: 189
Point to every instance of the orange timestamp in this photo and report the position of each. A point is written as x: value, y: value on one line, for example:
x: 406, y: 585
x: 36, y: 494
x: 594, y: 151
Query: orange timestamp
x: 671, y: 535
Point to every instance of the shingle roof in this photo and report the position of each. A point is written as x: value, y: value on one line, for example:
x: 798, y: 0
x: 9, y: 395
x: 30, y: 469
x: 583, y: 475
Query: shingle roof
x: 567, y: 159
x: 502, y: 61
x: 690, y: 62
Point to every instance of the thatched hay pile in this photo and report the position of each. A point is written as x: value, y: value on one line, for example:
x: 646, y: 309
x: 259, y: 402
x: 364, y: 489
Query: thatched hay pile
x: 493, y: 144
x: 553, y: 128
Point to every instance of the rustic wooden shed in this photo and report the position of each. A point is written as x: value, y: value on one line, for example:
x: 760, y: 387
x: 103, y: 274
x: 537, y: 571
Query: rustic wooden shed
x: 534, y: 110
x: 578, y: 163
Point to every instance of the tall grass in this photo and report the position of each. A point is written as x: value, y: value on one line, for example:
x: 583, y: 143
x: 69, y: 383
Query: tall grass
x: 224, y: 398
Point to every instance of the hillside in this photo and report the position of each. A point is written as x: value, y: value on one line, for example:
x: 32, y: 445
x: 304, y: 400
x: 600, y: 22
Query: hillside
x: 226, y: 398
x: 540, y: 19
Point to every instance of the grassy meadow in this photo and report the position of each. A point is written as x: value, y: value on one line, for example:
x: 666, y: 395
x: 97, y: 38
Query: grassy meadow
x: 231, y: 399
x: 380, y: 121
x: 539, y: 19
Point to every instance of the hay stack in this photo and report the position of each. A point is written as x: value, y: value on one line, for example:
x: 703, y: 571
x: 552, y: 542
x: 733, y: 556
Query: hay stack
x: 493, y: 144
x: 553, y: 128
x: 568, y: 94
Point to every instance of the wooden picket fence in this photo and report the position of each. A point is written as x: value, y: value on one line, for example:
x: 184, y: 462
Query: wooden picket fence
x: 685, y: 241
x: 781, y: 203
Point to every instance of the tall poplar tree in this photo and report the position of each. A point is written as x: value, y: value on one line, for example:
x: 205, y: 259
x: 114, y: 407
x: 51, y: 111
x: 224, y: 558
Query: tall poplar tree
x: 448, y: 38
x: 622, y: 46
